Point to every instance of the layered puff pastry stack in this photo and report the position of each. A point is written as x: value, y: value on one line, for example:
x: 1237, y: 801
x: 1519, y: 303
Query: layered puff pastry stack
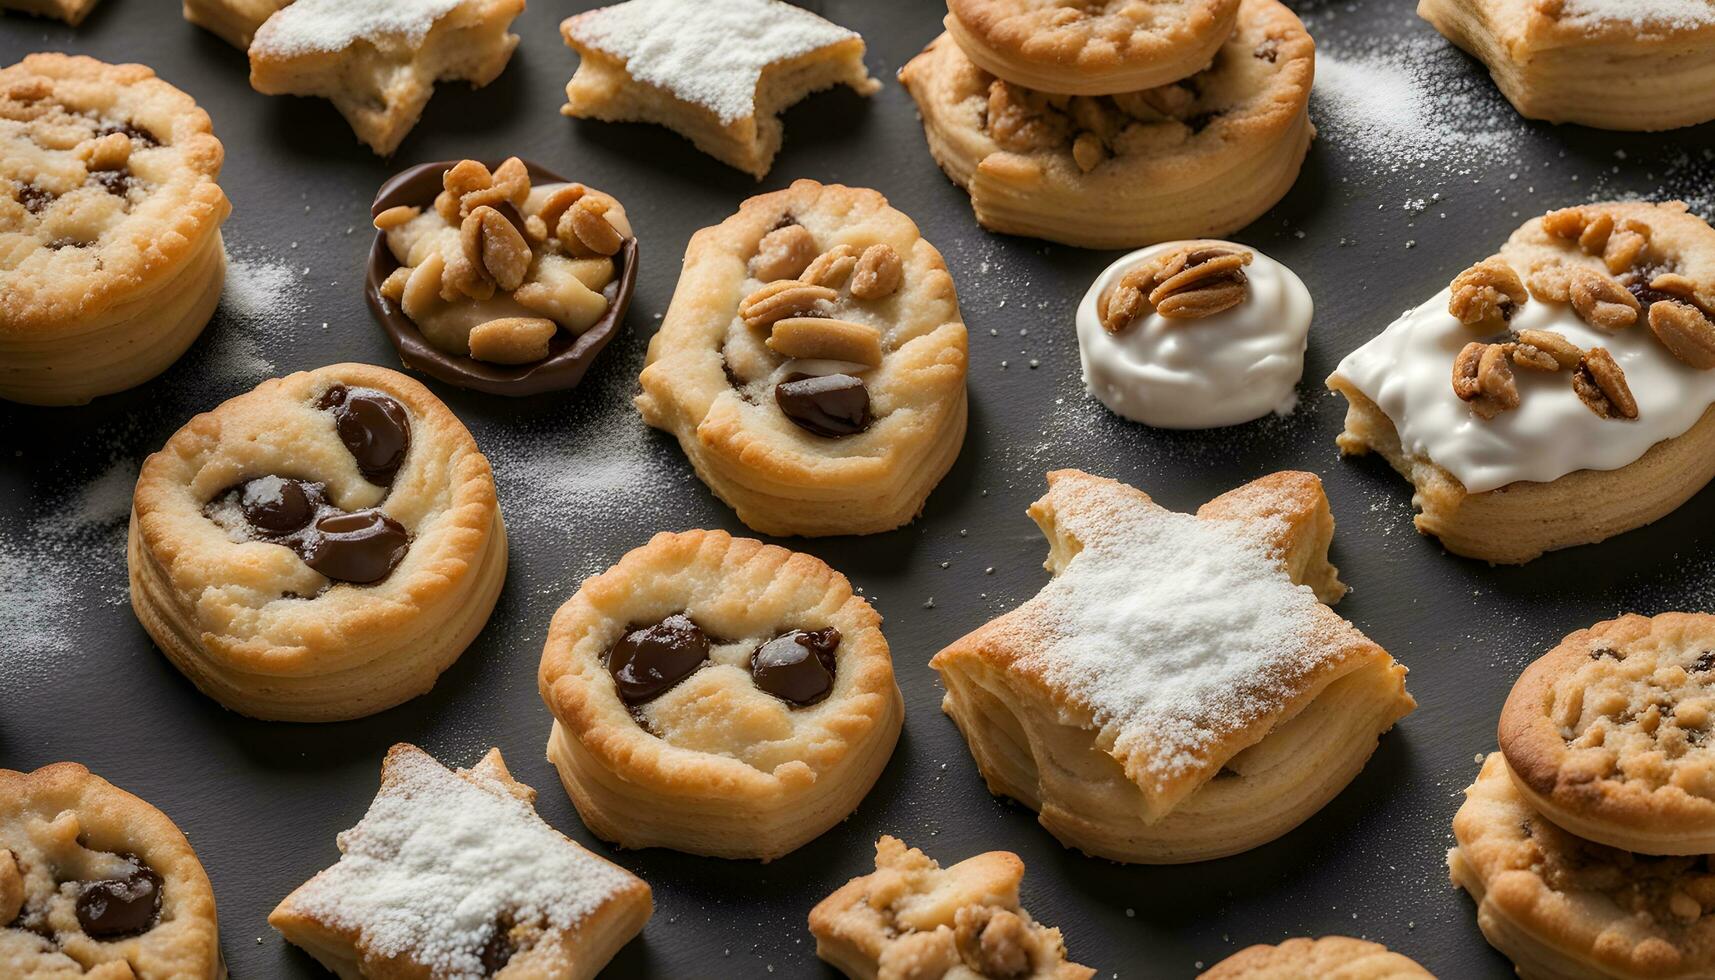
x: 1119, y: 123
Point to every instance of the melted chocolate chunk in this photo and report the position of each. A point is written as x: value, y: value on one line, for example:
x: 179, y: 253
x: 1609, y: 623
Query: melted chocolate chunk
x: 1639, y: 286
x: 362, y: 548
x: 115, y: 182
x: 276, y: 506
x: 130, y: 130
x: 647, y: 662
x: 118, y: 907
x: 830, y: 405
x: 34, y: 199
x: 373, y: 426
x: 797, y: 667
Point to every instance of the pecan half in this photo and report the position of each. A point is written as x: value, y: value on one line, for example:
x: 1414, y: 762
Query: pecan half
x: 1563, y: 352
x: 832, y: 267
x: 1483, y: 376
x: 878, y: 273
x: 1601, y: 385
x: 826, y: 338
x: 395, y: 216
x: 783, y: 253
x: 1487, y: 292
x: 1685, y: 331
x: 1594, y: 238
x: 780, y: 299
x: 1127, y: 300
x: 1602, y: 302
x: 1199, y: 280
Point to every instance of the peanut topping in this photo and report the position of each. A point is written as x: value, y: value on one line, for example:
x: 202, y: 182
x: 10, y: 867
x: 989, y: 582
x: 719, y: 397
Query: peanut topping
x: 1602, y: 302
x: 512, y: 339
x: 1625, y: 246
x: 11, y: 887
x: 495, y: 248
x: 1685, y: 331
x: 468, y: 186
x: 1127, y: 300
x: 783, y: 253
x: 1483, y: 376
x: 1601, y: 385
x: 832, y: 267
x: 994, y: 942
x: 395, y: 216
x: 1486, y: 293
x: 781, y: 299
x: 878, y: 273
x: 1020, y: 119
x: 826, y: 338
x: 1563, y: 352
x: 585, y: 231
x: 546, y: 220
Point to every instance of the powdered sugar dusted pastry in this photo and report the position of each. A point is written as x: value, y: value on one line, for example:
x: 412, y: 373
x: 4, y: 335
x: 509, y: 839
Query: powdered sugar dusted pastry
x: 234, y: 21
x: 378, y: 61
x: 812, y: 363
x: 1192, y: 159
x: 1193, y: 335
x: 1328, y: 958
x: 319, y: 548
x: 1613, y: 64
x: 96, y: 883
x: 452, y: 874
x: 1556, y: 394
x: 717, y: 72
x: 109, y: 227
x: 1164, y: 718
x: 719, y: 696
x: 1561, y: 906
x: 914, y: 918
x: 71, y: 11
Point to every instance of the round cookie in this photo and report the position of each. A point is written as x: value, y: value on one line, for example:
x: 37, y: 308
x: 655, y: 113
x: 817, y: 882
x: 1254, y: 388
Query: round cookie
x: 319, y: 548
x: 96, y: 883
x: 110, y: 223
x: 812, y: 363
x: 1193, y: 159
x: 1327, y: 958
x: 719, y: 696
x: 1091, y: 49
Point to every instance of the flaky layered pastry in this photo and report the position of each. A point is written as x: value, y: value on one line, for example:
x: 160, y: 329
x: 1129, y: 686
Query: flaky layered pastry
x: 1327, y: 958
x: 110, y: 254
x: 1178, y: 691
x: 719, y: 696
x: 319, y: 548
x: 96, y: 883
x: 812, y: 363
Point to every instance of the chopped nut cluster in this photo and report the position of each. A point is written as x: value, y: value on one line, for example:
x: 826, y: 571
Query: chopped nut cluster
x: 1093, y: 129
x: 1487, y: 293
x: 1189, y: 282
x: 798, y: 309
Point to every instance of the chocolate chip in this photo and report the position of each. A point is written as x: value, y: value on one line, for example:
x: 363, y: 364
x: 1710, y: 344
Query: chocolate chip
x: 797, y: 667
x: 374, y: 428
x: 1704, y: 662
x: 131, y: 130
x: 646, y: 662
x: 118, y: 907
x: 34, y: 199
x: 361, y: 548
x: 1639, y: 286
x: 277, y: 506
x: 115, y: 182
x: 830, y: 405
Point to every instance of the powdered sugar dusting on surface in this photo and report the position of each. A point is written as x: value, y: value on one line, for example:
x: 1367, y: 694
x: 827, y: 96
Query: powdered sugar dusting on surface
x: 1682, y: 14
x: 708, y: 52
x: 308, y: 26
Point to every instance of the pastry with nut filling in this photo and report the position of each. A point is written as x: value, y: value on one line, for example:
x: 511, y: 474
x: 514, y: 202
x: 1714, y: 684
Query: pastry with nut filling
x: 719, y: 696
x: 1555, y: 394
x: 319, y: 548
x: 95, y: 882
x: 1198, y: 158
x: 1327, y: 958
x: 1632, y: 65
x: 812, y: 363
x: 914, y: 918
x: 110, y: 221
x: 233, y: 21
x: 71, y: 11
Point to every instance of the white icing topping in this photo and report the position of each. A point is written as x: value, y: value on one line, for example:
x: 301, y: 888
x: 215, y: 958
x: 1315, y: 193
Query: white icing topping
x: 309, y: 26
x: 1407, y: 371
x: 707, y: 52
x: 1235, y: 366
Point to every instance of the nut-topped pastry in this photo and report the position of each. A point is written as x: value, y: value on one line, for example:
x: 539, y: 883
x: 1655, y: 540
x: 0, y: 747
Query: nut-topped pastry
x: 508, y: 280
x: 95, y: 882
x: 1555, y: 394
x: 812, y: 363
x: 719, y: 696
x: 319, y: 548
x: 109, y: 226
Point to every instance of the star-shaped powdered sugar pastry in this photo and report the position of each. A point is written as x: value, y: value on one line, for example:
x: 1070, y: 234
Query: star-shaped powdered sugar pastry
x: 1169, y: 649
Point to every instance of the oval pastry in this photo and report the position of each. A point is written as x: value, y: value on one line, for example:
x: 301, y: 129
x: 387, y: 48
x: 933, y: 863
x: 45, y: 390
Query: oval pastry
x: 719, y: 696
x: 319, y: 548
x: 96, y: 882
x: 812, y: 363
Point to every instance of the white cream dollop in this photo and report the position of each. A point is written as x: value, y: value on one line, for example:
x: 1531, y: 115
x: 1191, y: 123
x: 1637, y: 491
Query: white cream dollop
x: 1235, y: 366
x: 1407, y: 371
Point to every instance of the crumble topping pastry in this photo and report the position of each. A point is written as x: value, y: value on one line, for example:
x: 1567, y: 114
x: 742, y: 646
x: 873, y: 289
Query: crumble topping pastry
x: 1327, y: 958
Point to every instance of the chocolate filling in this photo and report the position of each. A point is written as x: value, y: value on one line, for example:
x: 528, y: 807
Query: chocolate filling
x: 829, y: 405
x: 117, y: 907
x: 115, y: 182
x: 130, y: 130
x: 568, y: 356
x: 34, y: 199
x: 373, y: 426
x: 647, y: 662
x: 361, y: 547
x: 797, y: 667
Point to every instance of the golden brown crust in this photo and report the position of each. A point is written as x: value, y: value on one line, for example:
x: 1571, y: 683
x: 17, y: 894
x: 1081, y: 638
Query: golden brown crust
x: 1339, y: 957
x: 71, y: 11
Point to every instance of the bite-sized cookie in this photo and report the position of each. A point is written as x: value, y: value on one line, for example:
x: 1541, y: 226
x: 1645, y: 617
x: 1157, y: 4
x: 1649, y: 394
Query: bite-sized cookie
x: 508, y: 280
x: 1556, y: 394
x: 1193, y: 159
x: 1194, y: 335
x: 1179, y: 690
x: 452, y: 874
x: 1561, y: 906
x: 1613, y: 64
x: 914, y: 918
x: 378, y: 61
x: 71, y: 11
x: 96, y: 883
x: 319, y: 548
x: 812, y: 363
x: 1101, y: 48
x: 234, y: 21
x: 717, y: 72
x: 109, y: 227
x: 1327, y: 958
x: 719, y: 696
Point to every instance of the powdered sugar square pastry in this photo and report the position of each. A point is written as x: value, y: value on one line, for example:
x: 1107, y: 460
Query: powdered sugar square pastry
x: 1561, y: 906
x: 719, y: 696
x: 812, y: 363
x: 1582, y: 400
x: 717, y: 72
x: 1612, y: 64
x: 71, y: 11
x: 1179, y: 690
x: 110, y: 254
x: 378, y: 61
x: 1328, y: 958
x: 452, y: 874
x: 914, y: 918
x: 96, y: 883
x: 234, y: 21
x: 319, y: 548
x: 1193, y: 159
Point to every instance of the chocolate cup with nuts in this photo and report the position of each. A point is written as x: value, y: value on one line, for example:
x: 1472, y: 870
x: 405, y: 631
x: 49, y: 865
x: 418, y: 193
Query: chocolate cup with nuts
x: 568, y: 357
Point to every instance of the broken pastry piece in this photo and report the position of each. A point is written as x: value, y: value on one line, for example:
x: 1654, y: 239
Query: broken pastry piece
x: 718, y: 72
x: 378, y: 60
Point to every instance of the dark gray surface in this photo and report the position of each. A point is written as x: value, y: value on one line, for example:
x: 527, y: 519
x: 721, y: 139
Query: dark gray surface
x: 581, y: 483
